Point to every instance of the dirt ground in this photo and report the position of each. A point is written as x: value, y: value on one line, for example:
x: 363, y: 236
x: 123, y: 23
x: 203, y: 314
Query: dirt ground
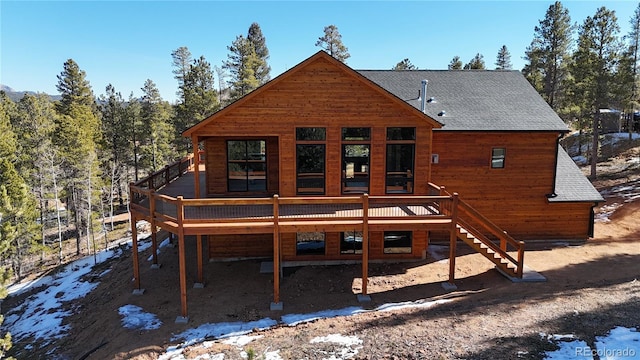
x: 591, y: 288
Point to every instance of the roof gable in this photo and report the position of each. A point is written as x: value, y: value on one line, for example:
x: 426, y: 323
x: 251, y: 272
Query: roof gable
x: 279, y: 82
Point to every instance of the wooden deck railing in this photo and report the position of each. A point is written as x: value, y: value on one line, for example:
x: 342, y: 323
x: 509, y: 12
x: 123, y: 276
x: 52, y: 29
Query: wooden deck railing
x: 167, y: 174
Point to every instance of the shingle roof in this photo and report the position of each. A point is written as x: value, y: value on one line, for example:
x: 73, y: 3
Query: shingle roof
x: 571, y: 184
x: 473, y: 100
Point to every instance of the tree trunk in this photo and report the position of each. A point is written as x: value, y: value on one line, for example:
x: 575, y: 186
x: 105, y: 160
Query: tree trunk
x: 594, y: 146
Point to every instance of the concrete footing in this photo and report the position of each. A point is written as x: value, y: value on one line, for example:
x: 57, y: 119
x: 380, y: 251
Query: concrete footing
x: 448, y: 286
x: 198, y: 285
x: 182, y: 320
x: 528, y: 275
x: 156, y: 266
x: 138, y: 291
x: 363, y: 298
x: 276, y: 306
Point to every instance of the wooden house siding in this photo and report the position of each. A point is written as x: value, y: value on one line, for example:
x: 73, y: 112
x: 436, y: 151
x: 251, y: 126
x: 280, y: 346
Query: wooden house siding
x: 513, y: 197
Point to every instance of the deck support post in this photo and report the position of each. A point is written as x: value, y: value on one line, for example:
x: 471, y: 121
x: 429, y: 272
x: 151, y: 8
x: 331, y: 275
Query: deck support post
x: 453, y: 237
x: 200, y: 283
x: 196, y: 167
x: 183, y: 318
x: 364, y: 297
x: 276, y: 304
x: 154, y: 230
x: 137, y: 290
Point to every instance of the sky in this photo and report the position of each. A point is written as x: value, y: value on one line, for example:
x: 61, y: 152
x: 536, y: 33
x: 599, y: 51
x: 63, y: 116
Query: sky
x: 124, y: 43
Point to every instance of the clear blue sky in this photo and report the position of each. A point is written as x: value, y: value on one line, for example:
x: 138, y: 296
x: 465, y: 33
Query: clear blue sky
x: 126, y: 42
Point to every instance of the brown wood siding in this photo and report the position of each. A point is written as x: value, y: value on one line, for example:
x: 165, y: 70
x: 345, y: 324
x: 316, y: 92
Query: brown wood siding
x: 320, y: 95
x: 513, y: 197
x: 240, y: 246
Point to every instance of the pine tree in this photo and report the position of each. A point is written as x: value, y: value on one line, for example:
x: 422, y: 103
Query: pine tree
x: 117, y: 148
x: 593, y: 66
x: 134, y: 120
x: 156, y: 148
x: 455, y: 64
x: 331, y: 42
x: 405, y: 64
x: 36, y: 123
x: 630, y: 63
x: 241, y: 62
x: 503, y: 59
x: 181, y: 63
x: 477, y: 63
x: 77, y: 135
x: 262, y: 70
x: 549, y: 53
x: 200, y: 101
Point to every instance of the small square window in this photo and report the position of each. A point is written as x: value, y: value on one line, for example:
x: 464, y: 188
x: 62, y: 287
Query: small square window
x: 351, y: 242
x: 497, y: 158
x: 397, y: 242
x: 310, y: 243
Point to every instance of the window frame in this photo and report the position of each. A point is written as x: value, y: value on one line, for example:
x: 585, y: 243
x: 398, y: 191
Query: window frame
x: 502, y: 159
x: 362, y: 176
x: 409, y: 178
x: 245, y: 162
x: 354, y: 249
x: 300, y: 142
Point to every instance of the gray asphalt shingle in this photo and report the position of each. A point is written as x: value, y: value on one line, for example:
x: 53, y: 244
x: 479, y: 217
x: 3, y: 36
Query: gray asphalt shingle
x: 571, y: 184
x: 473, y: 100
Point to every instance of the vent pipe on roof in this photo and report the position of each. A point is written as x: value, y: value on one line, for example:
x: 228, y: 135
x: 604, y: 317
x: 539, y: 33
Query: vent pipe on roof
x: 423, y: 98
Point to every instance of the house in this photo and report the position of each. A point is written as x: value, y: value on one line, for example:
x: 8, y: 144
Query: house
x: 328, y: 164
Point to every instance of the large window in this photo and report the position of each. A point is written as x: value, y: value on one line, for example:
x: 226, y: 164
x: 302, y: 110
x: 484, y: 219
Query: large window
x: 401, y: 145
x: 246, y: 166
x: 310, y: 161
x: 351, y: 242
x: 356, y: 146
x: 397, y: 242
x: 310, y: 243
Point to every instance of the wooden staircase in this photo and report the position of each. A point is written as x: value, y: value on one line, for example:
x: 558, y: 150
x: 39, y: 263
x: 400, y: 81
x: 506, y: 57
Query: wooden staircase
x: 482, y: 235
x: 488, y: 249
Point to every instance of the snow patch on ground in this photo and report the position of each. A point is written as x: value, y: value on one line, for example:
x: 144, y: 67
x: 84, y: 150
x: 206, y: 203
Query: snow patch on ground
x: 134, y: 317
x: 164, y: 243
x: 438, y: 252
x: 620, y: 343
x: 350, y: 345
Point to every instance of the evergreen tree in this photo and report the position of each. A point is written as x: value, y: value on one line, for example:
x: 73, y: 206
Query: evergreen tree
x: 593, y: 68
x: 331, y: 42
x: 405, y: 64
x: 77, y: 135
x: 200, y: 101
x: 629, y: 68
x: 503, y: 59
x: 241, y: 62
x: 455, y: 64
x: 477, y: 63
x: 181, y: 63
x: 134, y: 121
x: 118, y: 149
x: 262, y: 70
x: 35, y: 124
x: 549, y: 53
x: 156, y: 148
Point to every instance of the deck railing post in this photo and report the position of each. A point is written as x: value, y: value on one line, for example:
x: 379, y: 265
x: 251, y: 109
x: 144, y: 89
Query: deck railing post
x: 276, y: 304
x: 365, y: 249
x: 183, y: 318
x: 453, y: 237
x: 154, y: 229
x: 503, y: 242
x: 137, y: 290
x: 520, y: 259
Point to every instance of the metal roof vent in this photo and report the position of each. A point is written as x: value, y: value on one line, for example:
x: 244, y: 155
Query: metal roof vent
x: 442, y: 113
x: 423, y: 97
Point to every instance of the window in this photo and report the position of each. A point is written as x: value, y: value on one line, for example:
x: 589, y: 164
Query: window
x: 351, y: 242
x: 356, y: 145
x: 497, y: 158
x: 310, y: 243
x: 246, y: 166
x: 400, y: 159
x: 310, y: 161
x: 397, y: 242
